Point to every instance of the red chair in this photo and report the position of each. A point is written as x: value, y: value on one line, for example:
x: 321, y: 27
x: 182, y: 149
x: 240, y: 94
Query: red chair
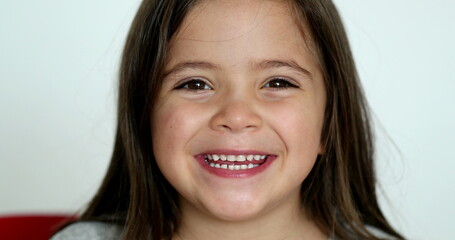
x: 25, y: 227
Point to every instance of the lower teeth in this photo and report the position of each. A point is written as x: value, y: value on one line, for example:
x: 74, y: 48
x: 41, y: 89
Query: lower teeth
x: 233, y: 167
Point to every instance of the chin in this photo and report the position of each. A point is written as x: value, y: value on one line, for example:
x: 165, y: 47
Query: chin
x: 234, y: 214
x: 236, y: 211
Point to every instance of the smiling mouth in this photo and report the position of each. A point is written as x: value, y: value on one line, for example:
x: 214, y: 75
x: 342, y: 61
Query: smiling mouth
x: 235, y: 162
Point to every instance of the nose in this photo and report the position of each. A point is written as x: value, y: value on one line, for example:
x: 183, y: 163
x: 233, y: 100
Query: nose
x: 236, y: 116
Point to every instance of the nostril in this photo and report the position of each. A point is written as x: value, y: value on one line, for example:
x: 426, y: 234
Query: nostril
x: 225, y: 126
x: 236, y: 117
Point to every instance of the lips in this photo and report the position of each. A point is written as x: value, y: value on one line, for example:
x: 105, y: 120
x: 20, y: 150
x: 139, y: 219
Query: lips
x: 235, y: 163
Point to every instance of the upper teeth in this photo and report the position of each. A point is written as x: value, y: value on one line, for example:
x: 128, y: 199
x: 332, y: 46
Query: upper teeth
x: 235, y: 158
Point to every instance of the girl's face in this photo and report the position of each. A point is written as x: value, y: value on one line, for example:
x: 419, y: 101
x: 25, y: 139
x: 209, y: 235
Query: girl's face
x: 237, y: 124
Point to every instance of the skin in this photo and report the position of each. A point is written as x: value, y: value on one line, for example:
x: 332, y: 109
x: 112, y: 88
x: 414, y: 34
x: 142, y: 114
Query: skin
x: 229, y: 97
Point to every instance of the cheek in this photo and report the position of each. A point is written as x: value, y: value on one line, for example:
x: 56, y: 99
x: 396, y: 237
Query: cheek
x: 173, y: 126
x: 299, y: 126
x: 168, y: 129
x: 166, y: 126
x: 298, y: 122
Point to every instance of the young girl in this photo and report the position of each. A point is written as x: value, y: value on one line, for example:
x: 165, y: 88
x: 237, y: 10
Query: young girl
x: 238, y: 119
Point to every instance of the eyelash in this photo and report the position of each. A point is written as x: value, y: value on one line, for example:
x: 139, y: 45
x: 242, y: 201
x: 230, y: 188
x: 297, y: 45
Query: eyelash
x: 186, y: 85
x: 277, y: 80
x: 280, y: 80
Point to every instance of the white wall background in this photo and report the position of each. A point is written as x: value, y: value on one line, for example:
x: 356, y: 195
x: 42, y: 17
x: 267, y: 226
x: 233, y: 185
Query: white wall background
x: 58, y: 65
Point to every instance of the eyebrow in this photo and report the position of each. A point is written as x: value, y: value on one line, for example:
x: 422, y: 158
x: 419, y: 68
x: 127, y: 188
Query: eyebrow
x: 191, y: 65
x: 267, y: 64
x: 255, y: 66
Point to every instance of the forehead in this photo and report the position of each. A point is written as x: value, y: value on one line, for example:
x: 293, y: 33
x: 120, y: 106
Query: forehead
x: 233, y: 17
x: 258, y: 29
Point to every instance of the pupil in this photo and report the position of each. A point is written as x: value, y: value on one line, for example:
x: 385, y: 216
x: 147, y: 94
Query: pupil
x: 196, y: 85
x: 277, y: 84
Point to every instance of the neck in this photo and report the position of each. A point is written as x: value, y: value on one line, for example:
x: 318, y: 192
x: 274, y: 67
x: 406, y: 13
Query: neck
x: 281, y: 222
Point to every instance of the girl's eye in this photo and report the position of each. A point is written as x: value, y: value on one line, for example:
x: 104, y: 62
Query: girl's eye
x: 194, y: 85
x: 279, y: 83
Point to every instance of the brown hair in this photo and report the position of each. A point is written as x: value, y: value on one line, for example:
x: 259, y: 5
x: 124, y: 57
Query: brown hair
x: 340, y: 191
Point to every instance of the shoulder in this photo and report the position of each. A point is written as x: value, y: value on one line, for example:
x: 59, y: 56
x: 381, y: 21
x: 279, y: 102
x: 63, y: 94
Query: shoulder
x: 89, y: 230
